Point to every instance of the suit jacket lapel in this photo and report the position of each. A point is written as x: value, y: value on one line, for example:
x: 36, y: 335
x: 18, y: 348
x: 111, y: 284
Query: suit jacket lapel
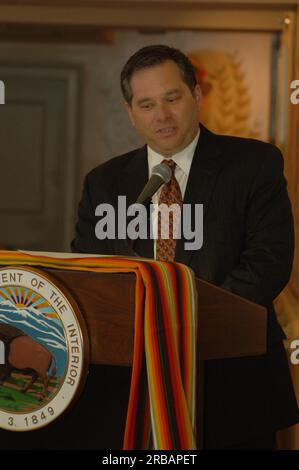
x: 131, y: 183
x: 134, y: 176
x: 205, y: 167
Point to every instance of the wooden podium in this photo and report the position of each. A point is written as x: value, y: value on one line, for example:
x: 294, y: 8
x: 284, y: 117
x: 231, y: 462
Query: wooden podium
x: 229, y: 326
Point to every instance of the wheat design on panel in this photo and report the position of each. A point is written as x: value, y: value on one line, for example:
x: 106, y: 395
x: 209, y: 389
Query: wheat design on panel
x: 226, y: 104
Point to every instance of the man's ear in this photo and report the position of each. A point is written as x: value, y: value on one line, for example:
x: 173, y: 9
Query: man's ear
x: 197, y: 93
x: 129, y: 111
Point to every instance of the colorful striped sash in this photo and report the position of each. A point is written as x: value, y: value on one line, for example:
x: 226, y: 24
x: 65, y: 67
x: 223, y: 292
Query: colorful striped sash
x: 162, y: 393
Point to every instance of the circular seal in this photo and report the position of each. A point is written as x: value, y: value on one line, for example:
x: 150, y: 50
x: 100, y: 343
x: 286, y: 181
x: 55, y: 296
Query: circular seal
x: 44, y: 349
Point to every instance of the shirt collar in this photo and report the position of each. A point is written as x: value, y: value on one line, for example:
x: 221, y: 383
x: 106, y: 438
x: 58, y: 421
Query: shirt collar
x: 183, y: 159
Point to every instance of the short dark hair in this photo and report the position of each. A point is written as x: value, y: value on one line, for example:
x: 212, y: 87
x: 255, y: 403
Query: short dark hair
x: 150, y: 56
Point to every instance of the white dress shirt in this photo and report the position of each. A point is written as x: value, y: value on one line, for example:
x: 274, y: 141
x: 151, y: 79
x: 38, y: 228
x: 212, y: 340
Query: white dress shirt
x: 183, y: 160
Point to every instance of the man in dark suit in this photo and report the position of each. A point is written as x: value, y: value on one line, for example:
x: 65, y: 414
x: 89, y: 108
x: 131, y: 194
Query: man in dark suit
x: 248, y: 238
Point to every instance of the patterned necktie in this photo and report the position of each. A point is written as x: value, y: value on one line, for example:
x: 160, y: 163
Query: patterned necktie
x: 168, y: 221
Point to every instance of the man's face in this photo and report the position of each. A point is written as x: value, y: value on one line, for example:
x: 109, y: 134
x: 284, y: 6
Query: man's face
x: 163, y: 109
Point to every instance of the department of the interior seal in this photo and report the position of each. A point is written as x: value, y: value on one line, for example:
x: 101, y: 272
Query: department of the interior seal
x: 43, y: 349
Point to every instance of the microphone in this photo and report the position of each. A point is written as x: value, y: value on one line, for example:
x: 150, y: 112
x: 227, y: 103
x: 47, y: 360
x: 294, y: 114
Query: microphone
x: 161, y: 174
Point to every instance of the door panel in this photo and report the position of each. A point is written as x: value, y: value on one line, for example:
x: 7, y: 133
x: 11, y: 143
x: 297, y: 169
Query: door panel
x: 35, y: 162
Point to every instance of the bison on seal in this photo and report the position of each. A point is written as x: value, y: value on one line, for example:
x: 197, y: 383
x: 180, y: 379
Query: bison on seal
x: 27, y: 355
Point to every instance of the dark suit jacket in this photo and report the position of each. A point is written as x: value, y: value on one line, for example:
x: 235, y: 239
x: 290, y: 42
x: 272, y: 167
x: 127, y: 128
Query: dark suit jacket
x: 247, y: 248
